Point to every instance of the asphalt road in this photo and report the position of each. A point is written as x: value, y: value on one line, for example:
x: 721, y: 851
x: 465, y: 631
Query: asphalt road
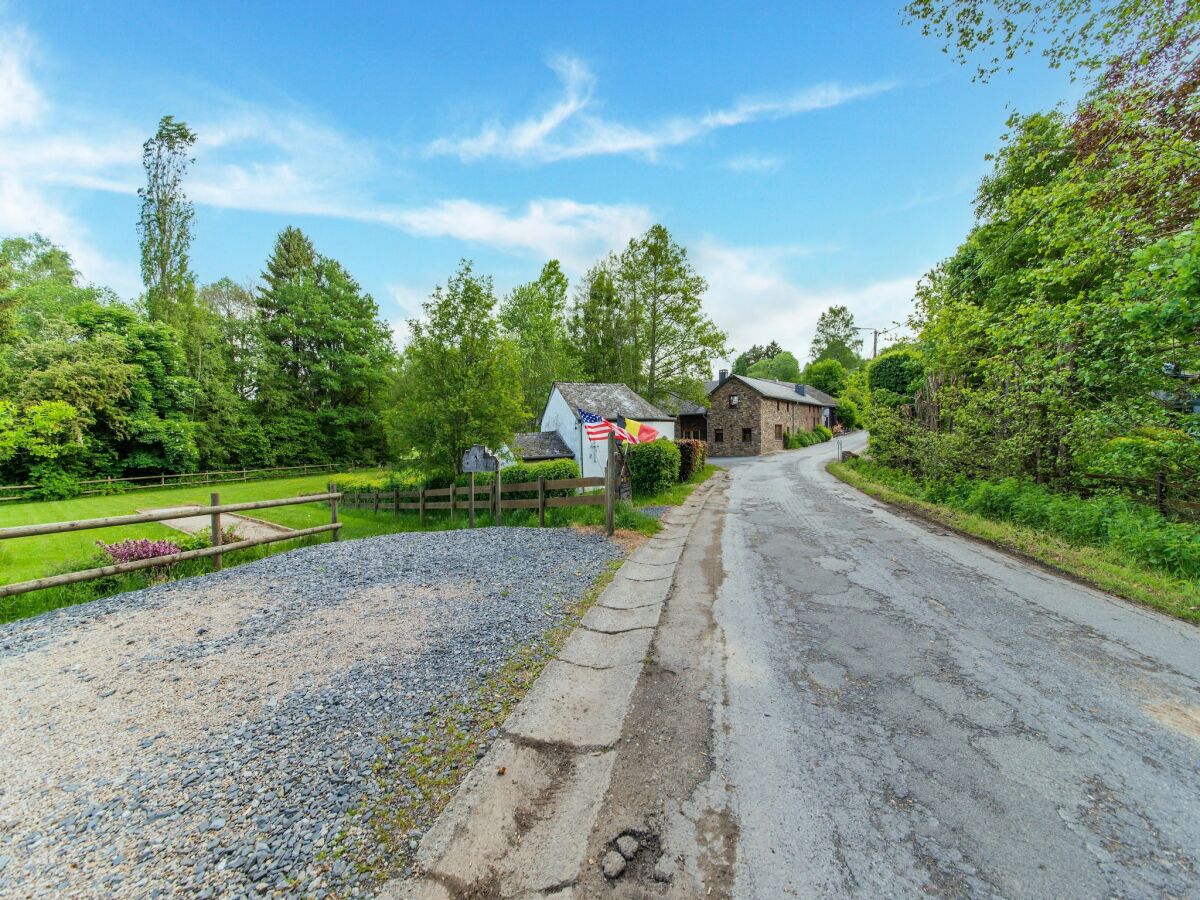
x: 908, y: 712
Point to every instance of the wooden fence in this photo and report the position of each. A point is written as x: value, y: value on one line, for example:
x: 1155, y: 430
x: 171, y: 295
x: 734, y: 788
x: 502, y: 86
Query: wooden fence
x: 214, y: 511
x: 183, y: 479
x: 1168, y: 497
x: 466, y: 498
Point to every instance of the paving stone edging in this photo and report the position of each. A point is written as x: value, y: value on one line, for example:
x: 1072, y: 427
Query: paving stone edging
x: 520, y: 822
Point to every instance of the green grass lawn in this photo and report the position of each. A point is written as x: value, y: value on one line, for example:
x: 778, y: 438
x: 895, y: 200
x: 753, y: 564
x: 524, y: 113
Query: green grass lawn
x: 22, y: 559
x: 33, y: 557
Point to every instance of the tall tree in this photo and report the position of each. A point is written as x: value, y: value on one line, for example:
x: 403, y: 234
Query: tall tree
x: 534, y: 315
x: 165, y: 223
x: 836, y: 338
x: 323, y: 362
x: 459, y: 383
x: 601, y: 328
x: 663, y: 295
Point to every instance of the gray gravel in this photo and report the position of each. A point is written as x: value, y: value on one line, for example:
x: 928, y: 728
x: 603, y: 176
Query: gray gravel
x: 210, y: 735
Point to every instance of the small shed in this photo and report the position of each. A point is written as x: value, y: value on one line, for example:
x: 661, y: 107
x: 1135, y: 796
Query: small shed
x: 540, y: 446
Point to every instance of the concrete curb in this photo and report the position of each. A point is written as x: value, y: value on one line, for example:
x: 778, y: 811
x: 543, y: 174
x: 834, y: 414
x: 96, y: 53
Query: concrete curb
x: 520, y: 822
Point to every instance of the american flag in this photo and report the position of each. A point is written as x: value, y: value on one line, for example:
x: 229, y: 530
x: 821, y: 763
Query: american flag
x: 598, y: 428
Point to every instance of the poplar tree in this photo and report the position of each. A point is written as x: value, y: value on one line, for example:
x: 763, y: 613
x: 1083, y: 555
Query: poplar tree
x: 165, y: 224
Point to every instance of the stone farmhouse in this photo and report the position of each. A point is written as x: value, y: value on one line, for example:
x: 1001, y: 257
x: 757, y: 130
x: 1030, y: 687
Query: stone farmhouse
x: 748, y: 416
x: 562, y: 435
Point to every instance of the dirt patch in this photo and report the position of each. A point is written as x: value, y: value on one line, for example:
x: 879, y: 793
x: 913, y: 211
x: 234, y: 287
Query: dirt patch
x: 1182, y: 717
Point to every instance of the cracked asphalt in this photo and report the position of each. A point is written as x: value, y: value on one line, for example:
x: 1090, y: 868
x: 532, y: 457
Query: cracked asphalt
x: 909, y: 712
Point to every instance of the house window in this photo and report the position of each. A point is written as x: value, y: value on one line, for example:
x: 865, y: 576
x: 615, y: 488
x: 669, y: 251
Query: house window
x: 719, y: 436
x: 778, y: 406
x: 779, y: 432
x: 733, y: 400
x: 747, y: 434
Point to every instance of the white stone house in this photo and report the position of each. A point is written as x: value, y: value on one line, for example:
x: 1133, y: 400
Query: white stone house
x: 609, y: 400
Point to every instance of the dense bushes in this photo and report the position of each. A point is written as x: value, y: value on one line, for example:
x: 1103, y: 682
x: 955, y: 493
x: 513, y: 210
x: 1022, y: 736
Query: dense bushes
x: 799, y: 439
x: 410, y: 480
x: 847, y: 414
x: 692, y: 456
x: 1137, y: 531
x: 653, y: 467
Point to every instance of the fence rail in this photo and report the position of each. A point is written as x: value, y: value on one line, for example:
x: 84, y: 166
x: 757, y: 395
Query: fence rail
x: 180, y: 479
x: 495, y: 502
x: 466, y: 499
x: 218, y: 548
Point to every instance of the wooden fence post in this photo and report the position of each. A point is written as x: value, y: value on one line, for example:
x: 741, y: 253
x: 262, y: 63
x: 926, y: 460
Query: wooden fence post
x: 1160, y: 491
x: 610, y: 482
x: 396, y: 499
x: 496, y: 492
x: 215, y: 500
x: 471, y: 503
x: 420, y: 506
x: 453, y: 498
x: 333, y: 515
x: 541, y: 501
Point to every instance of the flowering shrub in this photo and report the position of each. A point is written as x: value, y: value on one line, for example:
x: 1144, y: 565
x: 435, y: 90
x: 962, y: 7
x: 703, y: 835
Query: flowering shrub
x: 134, y: 549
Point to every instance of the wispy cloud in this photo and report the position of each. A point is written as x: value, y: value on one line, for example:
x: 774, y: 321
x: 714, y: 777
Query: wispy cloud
x: 285, y: 161
x: 754, y: 163
x: 742, y: 278
x: 569, y: 129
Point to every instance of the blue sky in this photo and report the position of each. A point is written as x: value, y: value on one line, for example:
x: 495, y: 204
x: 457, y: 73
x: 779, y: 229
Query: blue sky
x: 824, y: 153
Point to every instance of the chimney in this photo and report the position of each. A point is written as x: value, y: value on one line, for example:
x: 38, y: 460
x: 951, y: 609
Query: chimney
x: 721, y: 376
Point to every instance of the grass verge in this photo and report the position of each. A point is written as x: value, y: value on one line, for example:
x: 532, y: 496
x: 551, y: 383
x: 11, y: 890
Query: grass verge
x: 419, y: 773
x: 677, y: 493
x: 1099, y: 567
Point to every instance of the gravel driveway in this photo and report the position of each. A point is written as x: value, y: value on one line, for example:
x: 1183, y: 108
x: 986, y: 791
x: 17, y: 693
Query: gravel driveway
x: 209, y: 735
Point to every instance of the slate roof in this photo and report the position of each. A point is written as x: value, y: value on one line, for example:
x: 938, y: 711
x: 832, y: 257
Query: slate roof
x: 609, y: 400
x: 819, y: 396
x: 535, y: 445
x: 785, y: 390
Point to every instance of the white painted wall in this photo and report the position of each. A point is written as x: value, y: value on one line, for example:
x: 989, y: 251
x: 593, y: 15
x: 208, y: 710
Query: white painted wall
x: 592, y: 456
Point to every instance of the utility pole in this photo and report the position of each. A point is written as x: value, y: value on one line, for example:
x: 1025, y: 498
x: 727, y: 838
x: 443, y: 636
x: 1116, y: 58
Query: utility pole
x: 875, y: 333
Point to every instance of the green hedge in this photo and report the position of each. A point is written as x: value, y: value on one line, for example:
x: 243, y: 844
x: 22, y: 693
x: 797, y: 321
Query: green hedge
x: 692, y: 456
x: 553, y: 469
x: 807, y: 438
x: 653, y: 467
x: 1137, y: 531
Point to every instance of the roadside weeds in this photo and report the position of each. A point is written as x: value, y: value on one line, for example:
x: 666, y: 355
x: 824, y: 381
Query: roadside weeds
x: 1094, y: 567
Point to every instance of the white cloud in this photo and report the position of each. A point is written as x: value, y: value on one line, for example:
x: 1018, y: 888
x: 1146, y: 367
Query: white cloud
x: 21, y: 103
x: 275, y: 161
x: 575, y: 233
x: 745, y: 279
x: 751, y: 162
x: 568, y: 130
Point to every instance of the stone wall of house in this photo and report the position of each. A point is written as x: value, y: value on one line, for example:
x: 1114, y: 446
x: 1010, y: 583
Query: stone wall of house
x: 759, y: 414
x: 726, y: 423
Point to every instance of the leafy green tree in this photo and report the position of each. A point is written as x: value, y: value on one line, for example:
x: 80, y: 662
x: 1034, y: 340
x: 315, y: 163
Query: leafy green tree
x: 827, y: 375
x: 323, y: 364
x: 741, y: 365
x: 602, y: 329
x: 673, y: 338
x: 1082, y: 37
x: 165, y: 224
x: 836, y: 338
x: 460, y: 382
x: 781, y: 367
x: 534, y: 316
